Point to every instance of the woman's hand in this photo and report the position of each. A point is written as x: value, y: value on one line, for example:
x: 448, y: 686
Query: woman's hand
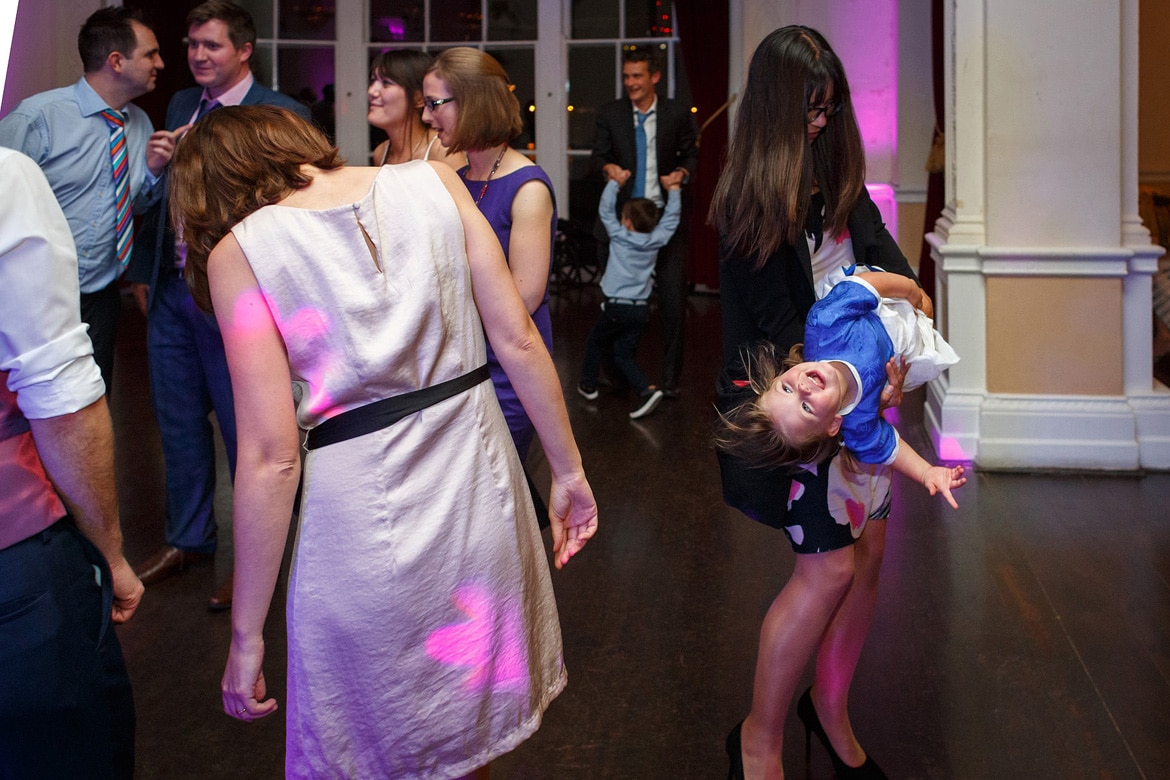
x: 925, y: 304
x: 944, y: 479
x: 573, y: 516
x: 243, y: 683
x: 896, y: 369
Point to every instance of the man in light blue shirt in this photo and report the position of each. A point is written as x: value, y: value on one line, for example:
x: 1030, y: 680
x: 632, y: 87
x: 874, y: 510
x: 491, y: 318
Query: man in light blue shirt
x: 64, y: 132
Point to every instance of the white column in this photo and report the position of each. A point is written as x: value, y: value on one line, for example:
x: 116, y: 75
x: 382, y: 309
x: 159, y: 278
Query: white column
x: 1148, y: 403
x: 350, y: 76
x: 552, y: 122
x: 954, y: 401
x: 1043, y: 263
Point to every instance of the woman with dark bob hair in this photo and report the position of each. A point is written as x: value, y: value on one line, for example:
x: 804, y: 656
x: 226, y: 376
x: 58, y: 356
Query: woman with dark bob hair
x: 790, y: 207
x: 470, y: 103
x: 422, y: 630
x: 395, y: 106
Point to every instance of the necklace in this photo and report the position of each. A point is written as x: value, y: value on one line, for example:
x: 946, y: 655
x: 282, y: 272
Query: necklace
x: 491, y: 173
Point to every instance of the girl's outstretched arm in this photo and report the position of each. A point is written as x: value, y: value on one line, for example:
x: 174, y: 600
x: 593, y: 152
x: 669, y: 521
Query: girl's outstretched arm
x: 936, y: 479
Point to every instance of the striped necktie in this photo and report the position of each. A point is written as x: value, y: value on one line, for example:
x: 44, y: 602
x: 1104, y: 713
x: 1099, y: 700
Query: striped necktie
x: 118, y: 163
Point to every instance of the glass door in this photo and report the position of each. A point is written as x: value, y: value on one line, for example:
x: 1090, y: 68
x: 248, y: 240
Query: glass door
x: 599, y: 32
x: 295, y: 52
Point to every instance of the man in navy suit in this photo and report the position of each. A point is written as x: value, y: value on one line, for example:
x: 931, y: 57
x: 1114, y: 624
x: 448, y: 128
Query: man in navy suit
x: 668, y: 139
x: 188, y: 370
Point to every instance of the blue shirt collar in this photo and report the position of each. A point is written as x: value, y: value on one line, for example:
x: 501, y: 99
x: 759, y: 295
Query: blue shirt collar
x: 89, y: 101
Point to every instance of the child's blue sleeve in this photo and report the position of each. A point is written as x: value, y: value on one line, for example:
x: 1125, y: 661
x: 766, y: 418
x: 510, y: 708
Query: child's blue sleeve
x: 846, y: 301
x: 606, y: 209
x: 669, y: 221
x: 870, y: 439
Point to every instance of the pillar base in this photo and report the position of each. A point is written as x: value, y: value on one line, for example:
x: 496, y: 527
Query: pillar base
x: 1001, y: 431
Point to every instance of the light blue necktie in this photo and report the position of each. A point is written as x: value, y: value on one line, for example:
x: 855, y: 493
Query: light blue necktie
x: 640, y: 146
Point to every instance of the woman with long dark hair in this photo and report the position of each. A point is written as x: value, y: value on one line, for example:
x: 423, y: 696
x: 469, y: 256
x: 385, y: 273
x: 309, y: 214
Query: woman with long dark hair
x: 395, y: 106
x: 790, y: 207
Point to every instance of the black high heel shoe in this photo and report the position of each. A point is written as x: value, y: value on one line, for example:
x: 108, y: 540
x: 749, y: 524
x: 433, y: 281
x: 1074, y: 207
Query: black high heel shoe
x: 735, y: 753
x: 812, y: 725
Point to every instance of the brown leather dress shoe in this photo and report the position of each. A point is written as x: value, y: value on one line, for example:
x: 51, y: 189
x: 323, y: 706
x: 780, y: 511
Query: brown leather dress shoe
x: 168, y: 562
x: 222, y: 598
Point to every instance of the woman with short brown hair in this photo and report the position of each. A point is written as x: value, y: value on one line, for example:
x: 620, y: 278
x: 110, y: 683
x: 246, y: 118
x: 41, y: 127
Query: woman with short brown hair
x: 469, y: 102
x: 422, y: 631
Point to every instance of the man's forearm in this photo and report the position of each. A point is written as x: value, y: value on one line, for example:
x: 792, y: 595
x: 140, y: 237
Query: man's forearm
x: 78, y: 453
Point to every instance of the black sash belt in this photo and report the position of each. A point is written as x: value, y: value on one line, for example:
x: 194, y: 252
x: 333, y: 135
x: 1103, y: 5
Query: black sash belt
x: 382, y: 414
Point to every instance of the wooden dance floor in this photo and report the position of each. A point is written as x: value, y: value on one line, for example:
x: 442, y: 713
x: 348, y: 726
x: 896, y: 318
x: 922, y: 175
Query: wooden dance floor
x: 1026, y: 635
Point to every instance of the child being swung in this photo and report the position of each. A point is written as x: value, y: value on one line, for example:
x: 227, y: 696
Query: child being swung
x: 633, y: 249
x: 801, y: 408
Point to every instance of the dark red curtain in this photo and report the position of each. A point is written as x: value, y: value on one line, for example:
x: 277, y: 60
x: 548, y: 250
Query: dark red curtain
x: 936, y: 184
x: 704, y: 29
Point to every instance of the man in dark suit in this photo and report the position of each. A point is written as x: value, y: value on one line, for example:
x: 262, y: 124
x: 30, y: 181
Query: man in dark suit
x: 643, y: 122
x: 188, y: 370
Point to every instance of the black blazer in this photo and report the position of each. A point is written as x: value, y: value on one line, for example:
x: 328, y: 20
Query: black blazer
x: 614, y: 141
x: 771, y: 304
x: 154, y: 242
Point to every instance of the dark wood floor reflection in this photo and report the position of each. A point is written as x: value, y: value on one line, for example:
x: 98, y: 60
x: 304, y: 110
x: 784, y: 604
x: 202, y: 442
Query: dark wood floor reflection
x: 1026, y: 635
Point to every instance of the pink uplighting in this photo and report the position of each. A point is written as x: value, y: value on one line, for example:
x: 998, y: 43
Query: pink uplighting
x: 395, y: 27
x: 253, y: 310
x: 469, y: 643
x: 950, y: 451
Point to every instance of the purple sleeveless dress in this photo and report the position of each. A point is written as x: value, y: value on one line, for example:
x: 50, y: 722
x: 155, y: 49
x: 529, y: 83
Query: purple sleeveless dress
x: 496, y: 205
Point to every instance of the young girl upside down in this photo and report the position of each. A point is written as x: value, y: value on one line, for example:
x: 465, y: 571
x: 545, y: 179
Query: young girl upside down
x: 808, y: 405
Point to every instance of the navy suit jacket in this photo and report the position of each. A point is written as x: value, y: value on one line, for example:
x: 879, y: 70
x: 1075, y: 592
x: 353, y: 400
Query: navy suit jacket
x: 614, y: 142
x: 154, y: 242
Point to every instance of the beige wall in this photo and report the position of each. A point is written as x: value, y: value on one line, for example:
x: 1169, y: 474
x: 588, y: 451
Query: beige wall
x: 1073, y: 348
x: 911, y: 217
x: 44, y: 47
x: 1032, y: 342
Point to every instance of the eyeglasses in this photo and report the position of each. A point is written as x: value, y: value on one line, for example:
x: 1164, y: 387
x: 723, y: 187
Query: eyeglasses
x: 829, y: 110
x: 432, y: 103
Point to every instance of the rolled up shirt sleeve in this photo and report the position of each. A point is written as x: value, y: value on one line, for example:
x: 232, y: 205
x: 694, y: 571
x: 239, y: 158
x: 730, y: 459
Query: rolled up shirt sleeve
x: 45, y: 350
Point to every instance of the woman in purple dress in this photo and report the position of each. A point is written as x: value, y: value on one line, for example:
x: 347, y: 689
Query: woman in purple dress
x: 469, y: 104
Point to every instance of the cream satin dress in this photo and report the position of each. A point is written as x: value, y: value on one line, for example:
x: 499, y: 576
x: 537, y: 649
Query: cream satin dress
x: 423, y: 638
